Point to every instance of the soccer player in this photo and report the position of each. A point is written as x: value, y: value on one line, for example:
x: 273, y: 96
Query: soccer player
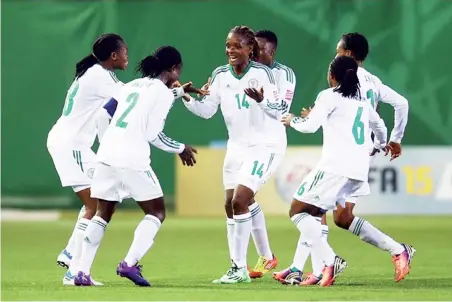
x: 70, y: 140
x: 345, y: 118
x: 355, y: 45
x: 124, y: 161
x: 285, y: 81
x: 248, y: 97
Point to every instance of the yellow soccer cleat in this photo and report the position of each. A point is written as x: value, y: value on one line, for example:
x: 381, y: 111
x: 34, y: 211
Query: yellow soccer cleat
x: 262, y: 267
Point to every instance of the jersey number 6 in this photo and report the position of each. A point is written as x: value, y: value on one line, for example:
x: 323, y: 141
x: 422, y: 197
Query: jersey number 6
x: 358, y: 127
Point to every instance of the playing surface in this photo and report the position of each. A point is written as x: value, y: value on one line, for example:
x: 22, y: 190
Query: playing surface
x: 189, y: 253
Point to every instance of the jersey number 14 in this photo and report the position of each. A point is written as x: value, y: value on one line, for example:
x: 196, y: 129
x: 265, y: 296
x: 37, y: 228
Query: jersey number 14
x: 132, y: 100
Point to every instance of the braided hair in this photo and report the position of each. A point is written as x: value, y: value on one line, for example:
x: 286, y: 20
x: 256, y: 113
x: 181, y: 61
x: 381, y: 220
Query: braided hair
x: 248, y: 34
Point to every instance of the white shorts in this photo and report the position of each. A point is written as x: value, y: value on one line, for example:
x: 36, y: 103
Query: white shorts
x: 324, y: 190
x: 109, y: 183
x: 364, y: 190
x: 251, y: 167
x: 74, y: 167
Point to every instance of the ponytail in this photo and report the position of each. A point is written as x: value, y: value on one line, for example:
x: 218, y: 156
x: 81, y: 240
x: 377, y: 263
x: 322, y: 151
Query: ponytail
x: 349, y: 88
x: 164, y: 58
x: 86, y: 63
x: 345, y: 71
x: 149, y: 67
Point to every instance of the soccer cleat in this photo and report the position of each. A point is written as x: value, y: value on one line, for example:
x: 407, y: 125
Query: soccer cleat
x: 331, y: 272
x: 234, y: 275
x: 64, y: 259
x: 133, y: 273
x: 263, y: 266
x: 311, y: 279
x: 69, y: 279
x: 83, y: 280
x: 402, y: 262
x: 289, y: 276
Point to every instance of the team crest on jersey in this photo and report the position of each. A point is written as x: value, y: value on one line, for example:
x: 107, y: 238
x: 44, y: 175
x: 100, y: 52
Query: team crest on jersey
x: 90, y: 172
x: 253, y: 83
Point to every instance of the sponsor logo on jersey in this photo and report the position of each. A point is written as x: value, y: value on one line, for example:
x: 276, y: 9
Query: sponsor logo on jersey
x: 253, y: 83
x: 289, y: 95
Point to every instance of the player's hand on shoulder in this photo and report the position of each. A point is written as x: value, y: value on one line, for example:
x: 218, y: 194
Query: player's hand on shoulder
x: 287, y: 118
x: 257, y: 95
x: 188, y: 156
x: 396, y: 150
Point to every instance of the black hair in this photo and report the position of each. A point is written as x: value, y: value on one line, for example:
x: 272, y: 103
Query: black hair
x: 268, y: 35
x: 164, y: 58
x: 102, y: 49
x: 357, y: 44
x: 344, y: 70
x: 250, y: 38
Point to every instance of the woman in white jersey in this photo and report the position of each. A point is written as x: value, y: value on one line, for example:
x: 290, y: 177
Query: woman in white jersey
x: 70, y: 140
x: 345, y: 118
x: 247, y: 94
x: 124, y: 161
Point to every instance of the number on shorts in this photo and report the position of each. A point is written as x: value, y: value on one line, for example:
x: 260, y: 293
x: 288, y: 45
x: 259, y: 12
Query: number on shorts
x: 69, y: 103
x: 132, y: 99
x: 301, y: 189
x: 358, y: 127
x: 242, y: 102
x: 257, y: 169
x: 370, y: 94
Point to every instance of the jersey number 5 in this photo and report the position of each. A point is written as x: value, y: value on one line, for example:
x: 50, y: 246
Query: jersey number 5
x: 69, y: 104
x: 358, y: 127
x: 132, y: 99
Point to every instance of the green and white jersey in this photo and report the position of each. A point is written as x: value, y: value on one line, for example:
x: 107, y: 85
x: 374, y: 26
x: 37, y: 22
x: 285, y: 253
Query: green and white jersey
x: 375, y: 91
x: 76, y: 128
x: 285, y: 81
x: 248, y: 123
x: 143, y: 105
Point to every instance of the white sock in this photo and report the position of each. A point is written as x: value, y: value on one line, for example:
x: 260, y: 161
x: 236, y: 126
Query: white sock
x: 93, y: 237
x: 317, y: 263
x: 79, y: 234
x: 311, y: 228
x: 302, y: 253
x: 242, y: 233
x: 370, y: 234
x: 259, y: 232
x: 230, y: 233
x: 142, y: 239
x: 70, y: 244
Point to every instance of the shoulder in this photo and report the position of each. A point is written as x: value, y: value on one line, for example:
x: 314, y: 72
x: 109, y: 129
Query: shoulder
x: 288, y: 72
x: 265, y: 70
x: 326, y: 94
x: 101, y: 74
x: 364, y: 73
x: 218, y: 71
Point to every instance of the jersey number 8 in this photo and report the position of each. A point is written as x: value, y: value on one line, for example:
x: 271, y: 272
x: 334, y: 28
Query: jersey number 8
x: 132, y: 99
x: 69, y: 103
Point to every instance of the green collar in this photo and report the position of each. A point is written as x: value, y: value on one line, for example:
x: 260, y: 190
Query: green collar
x: 238, y: 77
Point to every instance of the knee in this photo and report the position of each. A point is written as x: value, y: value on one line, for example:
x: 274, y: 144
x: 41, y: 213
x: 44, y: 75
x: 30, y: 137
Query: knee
x: 343, y: 218
x: 105, y: 210
x: 89, y: 212
x: 240, y: 203
x: 160, y: 214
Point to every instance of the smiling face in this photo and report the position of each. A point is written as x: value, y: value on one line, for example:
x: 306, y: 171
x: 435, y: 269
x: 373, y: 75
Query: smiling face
x: 238, y: 50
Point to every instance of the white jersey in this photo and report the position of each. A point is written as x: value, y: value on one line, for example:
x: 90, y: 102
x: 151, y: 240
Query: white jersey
x: 375, y: 91
x: 249, y: 123
x: 143, y: 105
x: 285, y: 81
x: 345, y: 123
x: 76, y: 128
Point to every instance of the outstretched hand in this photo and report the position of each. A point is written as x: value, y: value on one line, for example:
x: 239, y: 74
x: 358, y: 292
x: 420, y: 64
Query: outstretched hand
x: 257, y: 95
x: 287, y: 118
x: 188, y: 156
x: 386, y: 150
x: 188, y: 88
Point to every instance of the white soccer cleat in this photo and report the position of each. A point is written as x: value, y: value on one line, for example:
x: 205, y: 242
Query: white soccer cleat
x: 64, y: 259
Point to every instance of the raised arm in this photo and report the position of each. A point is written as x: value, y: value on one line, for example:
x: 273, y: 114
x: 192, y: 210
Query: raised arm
x: 316, y: 117
x: 400, y: 104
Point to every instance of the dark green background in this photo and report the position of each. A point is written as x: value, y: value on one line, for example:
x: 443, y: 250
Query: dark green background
x: 42, y: 41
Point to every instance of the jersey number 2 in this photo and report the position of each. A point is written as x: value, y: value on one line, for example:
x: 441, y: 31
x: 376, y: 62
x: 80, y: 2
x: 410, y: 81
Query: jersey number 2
x: 358, y: 127
x: 69, y: 104
x: 132, y: 99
